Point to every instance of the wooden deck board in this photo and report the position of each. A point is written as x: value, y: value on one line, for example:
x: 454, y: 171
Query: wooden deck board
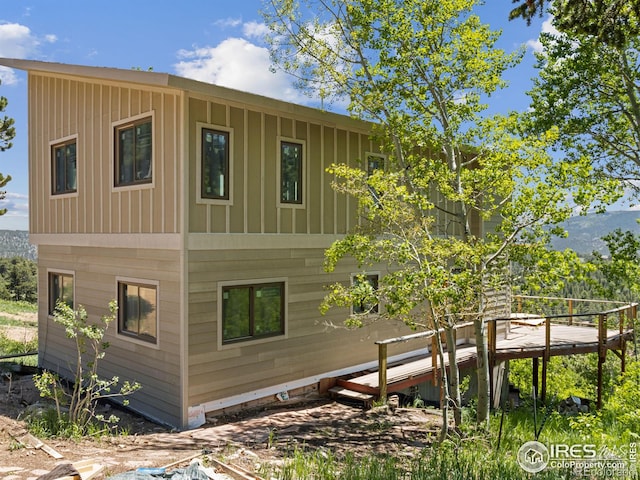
x: 524, y: 341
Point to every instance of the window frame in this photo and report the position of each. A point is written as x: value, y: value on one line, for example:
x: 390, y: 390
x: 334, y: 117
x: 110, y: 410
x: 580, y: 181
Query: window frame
x: 382, y: 159
x: 51, y: 302
x: 200, y: 198
x: 252, y: 339
x: 375, y: 309
x: 140, y: 339
x: 302, y: 175
x: 117, y: 127
x: 53, y: 146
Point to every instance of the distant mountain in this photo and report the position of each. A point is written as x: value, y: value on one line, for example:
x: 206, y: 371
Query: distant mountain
x: 585, y: 232
x: 15, y: 243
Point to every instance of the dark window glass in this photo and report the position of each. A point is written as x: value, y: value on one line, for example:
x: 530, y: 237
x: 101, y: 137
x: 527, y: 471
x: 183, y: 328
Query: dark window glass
x: 137, y: 312
x: 215, y: 164
x: 64, y: 168
x: 366, y: 285
x: 291, y: 172
x: 252, y: 311
x: 133, y: 149
x: 60, y: 289
x: 374, y: 163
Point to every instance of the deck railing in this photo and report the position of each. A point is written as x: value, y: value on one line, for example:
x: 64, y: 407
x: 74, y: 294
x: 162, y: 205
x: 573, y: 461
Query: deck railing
x: 625, y: 313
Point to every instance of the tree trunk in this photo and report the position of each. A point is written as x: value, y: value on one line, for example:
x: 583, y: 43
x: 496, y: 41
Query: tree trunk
x: 444, y: 383
x: 482, y: 371
x: 454, y: 376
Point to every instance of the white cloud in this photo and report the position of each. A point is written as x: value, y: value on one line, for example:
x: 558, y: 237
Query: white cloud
x: 547, y: 27
x: 8, y: 76
x: 255, y: 30
x: 228, y: 22
x: 239, y: 64
x: 16, y: 40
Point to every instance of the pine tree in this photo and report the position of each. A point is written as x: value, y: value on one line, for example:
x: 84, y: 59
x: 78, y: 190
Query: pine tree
x: 7, y: 132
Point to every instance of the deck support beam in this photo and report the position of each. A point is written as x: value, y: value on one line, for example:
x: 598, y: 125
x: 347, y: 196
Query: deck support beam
x: 382, y: 371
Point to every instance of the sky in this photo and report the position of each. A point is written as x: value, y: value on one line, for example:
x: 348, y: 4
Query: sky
x: 217, y: 41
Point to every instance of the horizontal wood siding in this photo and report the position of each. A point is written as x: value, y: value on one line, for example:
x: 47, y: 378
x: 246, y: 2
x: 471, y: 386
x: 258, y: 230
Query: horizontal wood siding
x: 254, y: 206
x: 95, y: 271
x: 311, y: 346
x: 61, y: 107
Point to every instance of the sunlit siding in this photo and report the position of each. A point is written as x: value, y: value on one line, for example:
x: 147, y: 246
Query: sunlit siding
x: 310, y: 346
x: 61, y: 107
x: 156, y: 367
x: 254, y: 205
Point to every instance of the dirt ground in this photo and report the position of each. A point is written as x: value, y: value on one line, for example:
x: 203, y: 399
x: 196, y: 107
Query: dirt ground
x: 247, y: 440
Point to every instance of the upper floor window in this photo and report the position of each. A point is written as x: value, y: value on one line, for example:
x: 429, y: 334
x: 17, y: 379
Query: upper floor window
x: 215, y: 164
x: 374, y: 162
x: 63, y: 167
x: 60, y: 290
x: 137, y: 310
x: 291, y: 174
x: 133, y: 147
x: 252, y: 311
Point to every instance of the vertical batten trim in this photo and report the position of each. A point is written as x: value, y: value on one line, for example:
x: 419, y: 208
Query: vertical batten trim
x: 245, y: 149
x: 309, y: 208
x: 159, y: 178
x: 278, y: 160
x: 262, y: 171
x: 294, y: 211
x: 83, y: 167
x: 347, y: 198
x: 227, y: 210
x: 322, y: 167
x: 335, y: 195
x: 99, y: 175
x: 182, y: 219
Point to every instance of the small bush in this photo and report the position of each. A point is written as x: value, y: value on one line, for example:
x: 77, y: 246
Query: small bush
x: 75, y: 407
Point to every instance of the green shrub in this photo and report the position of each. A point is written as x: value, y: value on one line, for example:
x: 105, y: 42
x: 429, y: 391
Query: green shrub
x: 75, y: 407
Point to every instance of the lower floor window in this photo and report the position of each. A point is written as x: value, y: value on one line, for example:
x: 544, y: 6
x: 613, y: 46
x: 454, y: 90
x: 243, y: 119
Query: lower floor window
x: 252, y: 311
x: 60, y: 290
x: 365, y: 287
x: 137, y: 311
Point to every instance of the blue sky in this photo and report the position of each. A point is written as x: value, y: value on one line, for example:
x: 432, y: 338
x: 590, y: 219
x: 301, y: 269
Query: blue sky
x: 218, y: 42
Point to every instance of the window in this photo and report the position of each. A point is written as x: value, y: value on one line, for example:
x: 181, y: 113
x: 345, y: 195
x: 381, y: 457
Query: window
x: 60, y: 289
x: 291, y: 172
x: 252, y: 311
x: 133, y: 153
x: 137, y: 312
x: 63, y: 167
x: 365, y: 287
x: 215, y: 164
x: 374, y: 162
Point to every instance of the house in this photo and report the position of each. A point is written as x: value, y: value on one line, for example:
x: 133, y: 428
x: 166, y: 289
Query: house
x: 205, y: 213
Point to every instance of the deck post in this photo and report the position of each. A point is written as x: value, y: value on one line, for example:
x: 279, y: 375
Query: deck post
x: 546, y: 356
x: 491, y: 341
x: 570, y: 311
x: 534, y: 372
x: 382, y: 371
x: 602, y: 353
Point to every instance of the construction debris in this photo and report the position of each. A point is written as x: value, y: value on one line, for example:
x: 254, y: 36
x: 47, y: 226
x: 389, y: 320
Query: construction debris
x: 29, y: 441
x: 82, y: 470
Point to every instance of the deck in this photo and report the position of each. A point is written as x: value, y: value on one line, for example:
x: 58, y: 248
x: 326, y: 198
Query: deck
x: 523, y: 341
